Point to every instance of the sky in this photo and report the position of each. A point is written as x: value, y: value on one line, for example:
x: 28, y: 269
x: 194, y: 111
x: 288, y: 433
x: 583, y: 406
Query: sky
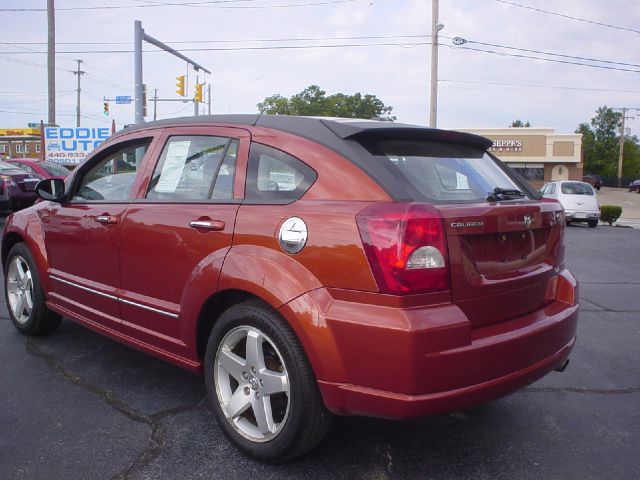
x: 247, y: 45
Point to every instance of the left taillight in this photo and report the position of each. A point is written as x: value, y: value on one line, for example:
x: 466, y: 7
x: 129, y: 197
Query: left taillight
x: 6, y: 182
x: 406, y: 248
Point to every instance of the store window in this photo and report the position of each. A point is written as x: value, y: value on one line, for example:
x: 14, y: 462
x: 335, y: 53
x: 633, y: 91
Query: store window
x: 37, y: 148
x: 19, y: 148
x: 530, y: 171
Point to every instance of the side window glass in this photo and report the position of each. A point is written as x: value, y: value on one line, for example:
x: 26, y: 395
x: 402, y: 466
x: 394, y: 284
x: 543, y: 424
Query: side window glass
x: 188, y: 167
x: 276, y: 176
x: 552, y: 188
x: 223, y: 188
x: 112, y: 177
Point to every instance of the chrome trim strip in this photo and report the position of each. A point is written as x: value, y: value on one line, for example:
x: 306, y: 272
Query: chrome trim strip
x: 113, y: 297
x: 151, y: 309
x: 81, y: 287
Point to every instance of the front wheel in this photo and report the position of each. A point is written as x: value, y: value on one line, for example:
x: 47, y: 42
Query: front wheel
x: 262, y: 388
x: 24, y: 294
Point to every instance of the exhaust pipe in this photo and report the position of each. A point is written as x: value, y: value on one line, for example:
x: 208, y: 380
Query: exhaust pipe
x: 563, y: 366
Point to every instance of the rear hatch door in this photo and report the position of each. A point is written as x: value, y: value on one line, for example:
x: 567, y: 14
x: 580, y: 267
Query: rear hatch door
x: 502, y: 255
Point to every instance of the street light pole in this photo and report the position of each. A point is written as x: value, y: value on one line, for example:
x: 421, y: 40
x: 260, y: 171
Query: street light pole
x: 435, y: 28
x: 79, y: 73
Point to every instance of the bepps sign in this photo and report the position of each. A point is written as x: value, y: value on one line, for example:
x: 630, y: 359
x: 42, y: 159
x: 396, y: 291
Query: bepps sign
x: 72, y: 145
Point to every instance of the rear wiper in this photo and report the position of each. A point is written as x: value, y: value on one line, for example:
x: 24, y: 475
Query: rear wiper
x: 499, y: 194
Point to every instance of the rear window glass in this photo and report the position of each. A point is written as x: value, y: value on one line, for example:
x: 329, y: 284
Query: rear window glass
x: 54, y: 169
x: 443, y: 172
x: 576, y: 188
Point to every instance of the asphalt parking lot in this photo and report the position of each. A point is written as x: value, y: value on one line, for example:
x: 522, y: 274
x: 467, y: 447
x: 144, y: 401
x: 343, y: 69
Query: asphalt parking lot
x: 75, y: 405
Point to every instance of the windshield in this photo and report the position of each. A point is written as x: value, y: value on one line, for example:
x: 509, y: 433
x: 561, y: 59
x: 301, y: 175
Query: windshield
x: 444, y: 171
x: 55, y: 170
x: 576, y: 188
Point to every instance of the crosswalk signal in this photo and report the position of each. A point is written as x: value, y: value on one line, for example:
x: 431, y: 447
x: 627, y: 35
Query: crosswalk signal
x: 180, y: 88
x: 198, y: 96
x: 105, y: 110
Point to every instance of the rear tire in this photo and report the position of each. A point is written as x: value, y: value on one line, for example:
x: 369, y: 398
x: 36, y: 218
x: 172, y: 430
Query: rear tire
x: 24, y: 295
x: 593, y: 223
x: 266, y: 402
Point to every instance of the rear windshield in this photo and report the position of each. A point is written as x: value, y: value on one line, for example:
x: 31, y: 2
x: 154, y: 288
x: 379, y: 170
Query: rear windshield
x: 56, y: 170
x: 443, y: 172
x: 576, y: 188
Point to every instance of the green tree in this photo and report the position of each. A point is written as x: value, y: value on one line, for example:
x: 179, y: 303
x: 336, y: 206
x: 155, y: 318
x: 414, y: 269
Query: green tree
x: 313, y: 101
x: 520, y: 123
x: 600, y: 144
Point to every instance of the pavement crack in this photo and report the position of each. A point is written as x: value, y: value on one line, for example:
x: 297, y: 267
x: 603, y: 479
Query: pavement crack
x: 154, y: 421
x: 600, y: 391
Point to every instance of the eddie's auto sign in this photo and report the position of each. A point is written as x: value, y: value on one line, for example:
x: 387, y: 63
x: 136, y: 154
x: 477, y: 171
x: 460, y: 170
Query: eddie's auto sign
x: 71, y: 145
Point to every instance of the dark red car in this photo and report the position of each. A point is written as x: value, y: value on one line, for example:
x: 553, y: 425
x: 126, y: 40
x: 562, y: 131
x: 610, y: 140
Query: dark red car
x: 44, y: 169
x: 594, y: 180
x: 17, y: 188
x: 306, y: 267
x: 635, y: 186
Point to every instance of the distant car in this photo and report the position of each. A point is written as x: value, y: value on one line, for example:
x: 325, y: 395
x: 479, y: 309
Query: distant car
x: 44, y: 169
x: 635, y: 186
x: 594, y: 180
x: 17, y: 188
x: 578, y: 199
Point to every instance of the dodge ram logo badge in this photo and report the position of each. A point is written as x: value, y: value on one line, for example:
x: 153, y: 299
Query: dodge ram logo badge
x: 527, y: 221
x: 293, y: 235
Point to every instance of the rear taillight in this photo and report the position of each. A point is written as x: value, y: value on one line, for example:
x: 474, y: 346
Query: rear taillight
x: 406, y: 247
x: 6, y: 182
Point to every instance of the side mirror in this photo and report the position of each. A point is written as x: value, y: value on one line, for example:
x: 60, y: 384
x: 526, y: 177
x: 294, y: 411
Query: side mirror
x: 51, y: 189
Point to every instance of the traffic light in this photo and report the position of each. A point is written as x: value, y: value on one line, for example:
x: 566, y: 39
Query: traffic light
x: 198, y: 96
x: 106, y: 109
x: 180, y: 85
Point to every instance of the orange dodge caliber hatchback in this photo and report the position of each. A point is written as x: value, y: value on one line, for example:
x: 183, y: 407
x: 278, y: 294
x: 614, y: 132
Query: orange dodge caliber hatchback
x: 305, y: 266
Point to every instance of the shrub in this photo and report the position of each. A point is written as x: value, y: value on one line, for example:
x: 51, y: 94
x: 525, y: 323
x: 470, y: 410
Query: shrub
x: 610, y: 213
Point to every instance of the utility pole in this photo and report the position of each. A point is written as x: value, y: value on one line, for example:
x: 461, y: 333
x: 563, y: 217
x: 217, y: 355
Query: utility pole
x: 624, y: 111
x: 209, y: 97
x: 155, y: 104
x: 51, y: 61
x: 435, y: 28
x: 79, y: 73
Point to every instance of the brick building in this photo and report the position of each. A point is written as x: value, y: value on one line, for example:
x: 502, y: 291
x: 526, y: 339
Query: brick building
x: 19, y: 143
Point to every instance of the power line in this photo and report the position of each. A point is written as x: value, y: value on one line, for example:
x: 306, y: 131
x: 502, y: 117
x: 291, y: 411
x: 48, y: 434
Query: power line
x: 515, y: 55
x: 529, y: 85
x: 569, y: 17
x: 206, y: 4
x: 280, y: 47
x: 310, y: 39
x: 554, y: 54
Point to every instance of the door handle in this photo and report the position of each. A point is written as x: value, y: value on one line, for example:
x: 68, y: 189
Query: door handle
x: 213, y: 225
x: 106, y: 219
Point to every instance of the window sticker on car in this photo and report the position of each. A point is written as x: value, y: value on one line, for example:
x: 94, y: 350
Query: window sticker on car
x: 173, y: 166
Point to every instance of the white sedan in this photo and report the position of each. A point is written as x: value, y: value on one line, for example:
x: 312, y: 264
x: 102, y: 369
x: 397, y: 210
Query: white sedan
x: 578, y: 199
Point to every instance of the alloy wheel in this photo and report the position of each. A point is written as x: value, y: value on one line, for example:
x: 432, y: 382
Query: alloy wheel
x: 20, y: 289
x: 252, y: 383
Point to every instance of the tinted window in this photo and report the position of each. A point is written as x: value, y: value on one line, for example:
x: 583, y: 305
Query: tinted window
x: 276, y: 176
x: 576, y: 188
x: 442, y: 171
x: 25, y: 167
x: 189, y: 165
x: 112, y: 177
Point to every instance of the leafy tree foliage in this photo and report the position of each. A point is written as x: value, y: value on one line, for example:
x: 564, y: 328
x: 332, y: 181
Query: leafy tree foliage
x: 601, y: 146
x: 313, y: 101
x: 520, y: 123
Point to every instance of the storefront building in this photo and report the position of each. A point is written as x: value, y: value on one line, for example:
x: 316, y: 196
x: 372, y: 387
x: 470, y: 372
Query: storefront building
x: 538, y: 154
x: 19, y: 143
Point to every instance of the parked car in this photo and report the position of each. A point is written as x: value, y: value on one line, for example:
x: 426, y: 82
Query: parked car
x: 43, y: 169
x: 396, y: 271
x: 578, y: 199
x: 17, y: 188
x: 635, y: 186
x: 594, y: 180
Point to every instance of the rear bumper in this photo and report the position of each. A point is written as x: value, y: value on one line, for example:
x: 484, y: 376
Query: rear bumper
x: 409, y: 362
x: 354, y: 400
x: 583, y: 217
